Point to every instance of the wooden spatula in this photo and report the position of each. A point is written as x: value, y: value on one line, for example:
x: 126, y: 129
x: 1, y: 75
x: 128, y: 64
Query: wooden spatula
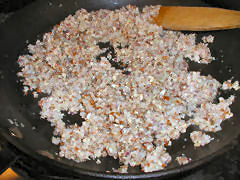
x: 197, y: 18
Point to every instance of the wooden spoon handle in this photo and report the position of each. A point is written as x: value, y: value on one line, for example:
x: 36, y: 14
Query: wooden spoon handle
x: 197, y: 18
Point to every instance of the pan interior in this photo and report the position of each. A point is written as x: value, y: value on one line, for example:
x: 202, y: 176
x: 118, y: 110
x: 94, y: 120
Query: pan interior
x: 36, y: 133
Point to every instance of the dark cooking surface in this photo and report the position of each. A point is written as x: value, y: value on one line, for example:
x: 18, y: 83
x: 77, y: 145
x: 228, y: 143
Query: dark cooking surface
x: 224, y: 167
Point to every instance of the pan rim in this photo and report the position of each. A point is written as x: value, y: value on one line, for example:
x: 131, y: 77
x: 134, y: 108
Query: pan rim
x: 162, y: 173
x: 80, y: 171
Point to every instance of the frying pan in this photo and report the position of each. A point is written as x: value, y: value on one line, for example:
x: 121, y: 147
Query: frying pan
x: 230, y: 4
x: 22, y: 129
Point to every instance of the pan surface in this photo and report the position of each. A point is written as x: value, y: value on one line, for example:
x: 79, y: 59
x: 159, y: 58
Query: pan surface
x: 32, y: 135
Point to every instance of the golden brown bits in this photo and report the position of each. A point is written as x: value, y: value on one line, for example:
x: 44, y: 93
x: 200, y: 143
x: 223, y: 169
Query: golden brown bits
x: 167, y: 98
x: 92, y: 102
x: 212, y: 122
x: 164, y: 165
x: 38, y: 90
x: 223, y: 115
x: 41, y: 103
x: 164, y: 57
x: 165, y: 142
x: 159, y: 64
x: 169, y: 122
x: 60, y: 68
x: 153, y: 84
x: 142, y: 69
x: 144, y: 146
x: 111, y: 107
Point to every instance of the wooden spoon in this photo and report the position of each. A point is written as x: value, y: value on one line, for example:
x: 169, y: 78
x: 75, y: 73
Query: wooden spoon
x: 197, y: 18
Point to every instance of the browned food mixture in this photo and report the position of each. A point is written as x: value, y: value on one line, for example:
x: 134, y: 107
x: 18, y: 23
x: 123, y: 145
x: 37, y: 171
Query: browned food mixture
x: 133, y: 111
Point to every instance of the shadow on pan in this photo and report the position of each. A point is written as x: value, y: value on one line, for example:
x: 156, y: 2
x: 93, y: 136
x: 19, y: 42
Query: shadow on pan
x: 7, y: 6
x: 34, y: 136
x: 230, y: 4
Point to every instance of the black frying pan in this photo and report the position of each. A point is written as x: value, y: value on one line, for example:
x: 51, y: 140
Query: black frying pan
x: 34, y: 138
x: 230, y: 4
